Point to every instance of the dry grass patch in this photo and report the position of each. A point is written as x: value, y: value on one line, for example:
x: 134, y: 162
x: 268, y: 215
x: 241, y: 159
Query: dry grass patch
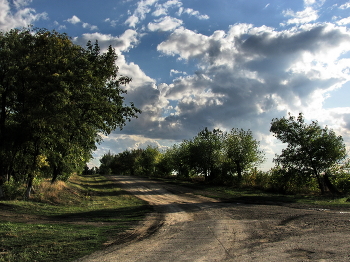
x: 57, y: 193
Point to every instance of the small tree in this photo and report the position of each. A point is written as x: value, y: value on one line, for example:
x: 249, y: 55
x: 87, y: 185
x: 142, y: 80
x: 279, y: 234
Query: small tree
x: 106, y: 163
x: 311, y: 150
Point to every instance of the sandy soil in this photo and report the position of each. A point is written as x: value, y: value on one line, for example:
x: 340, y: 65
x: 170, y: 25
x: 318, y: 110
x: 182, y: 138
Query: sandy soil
x: 186, y: 227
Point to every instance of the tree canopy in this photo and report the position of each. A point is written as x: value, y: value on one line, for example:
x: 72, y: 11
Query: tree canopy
x: 56, y: 98
x: 242, y: 150
x: 311, y: 150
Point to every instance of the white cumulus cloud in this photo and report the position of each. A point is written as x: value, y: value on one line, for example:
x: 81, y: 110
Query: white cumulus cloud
x: 143, y: 8
x: 166, y: 23
x: 74, y: 20
x: 192, y: 12
x: 345, y: 6
x: 301, y: 17
x: 344, y: 21
x: 20, y: 17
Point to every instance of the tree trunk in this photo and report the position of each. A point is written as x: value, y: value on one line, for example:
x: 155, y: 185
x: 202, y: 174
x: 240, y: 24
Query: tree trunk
x: 239, y: 172
x: 319, y: 179
x: 329, y: 185
x: 206, y: 176
x: 55, y: 174
x: 320, y: 184
x: 29, y: 187
x: 2, y: 194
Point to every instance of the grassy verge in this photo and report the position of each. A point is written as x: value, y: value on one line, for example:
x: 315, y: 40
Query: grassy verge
x: 67, y: 221
x: 251, y: 195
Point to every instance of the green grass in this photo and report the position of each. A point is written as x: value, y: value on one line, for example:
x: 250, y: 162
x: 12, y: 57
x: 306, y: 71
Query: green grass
x: 88, y: 213
x: 251, y: 195
x: 259, y: 196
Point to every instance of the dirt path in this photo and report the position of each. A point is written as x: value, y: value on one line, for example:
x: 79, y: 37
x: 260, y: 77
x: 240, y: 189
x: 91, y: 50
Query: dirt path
x: 195, y: 228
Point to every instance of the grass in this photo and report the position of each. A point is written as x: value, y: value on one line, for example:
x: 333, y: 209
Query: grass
x: 259, y: 196
x: 67, y: 221
x: 251, y: 195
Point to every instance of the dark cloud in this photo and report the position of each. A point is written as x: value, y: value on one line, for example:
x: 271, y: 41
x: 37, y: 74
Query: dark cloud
x: 313, y: 40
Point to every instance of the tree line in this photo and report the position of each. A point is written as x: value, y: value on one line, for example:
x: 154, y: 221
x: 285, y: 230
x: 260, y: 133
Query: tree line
x: 216, y: 155
x: 314, y: 158
x: 56, y: 98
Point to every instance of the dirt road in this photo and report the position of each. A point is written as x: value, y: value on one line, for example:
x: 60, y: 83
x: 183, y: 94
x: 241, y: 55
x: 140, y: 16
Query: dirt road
x: 194, y: 228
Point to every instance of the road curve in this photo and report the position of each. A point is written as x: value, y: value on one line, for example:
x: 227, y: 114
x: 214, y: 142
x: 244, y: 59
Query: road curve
x: 196, y: 228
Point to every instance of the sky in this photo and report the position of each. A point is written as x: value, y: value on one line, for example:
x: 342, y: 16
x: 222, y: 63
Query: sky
x: 211, y: 63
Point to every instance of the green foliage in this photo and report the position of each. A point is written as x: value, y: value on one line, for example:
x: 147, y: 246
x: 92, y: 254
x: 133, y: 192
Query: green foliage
x: 342, y: 181
x: 256, y: 179
x: 242, y: 151
x: 13, y: 189
x: 140, y: 162
x: 148, y: 161
x: 178, y: 157
x: 205, y: 152
x: 213, y: 155
x: 290, y: 181
x: 311, y: 150
x: 106, y: 162
x: 55, y: 99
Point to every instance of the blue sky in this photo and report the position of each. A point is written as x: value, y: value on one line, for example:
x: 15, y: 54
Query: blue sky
x: 212, y: 63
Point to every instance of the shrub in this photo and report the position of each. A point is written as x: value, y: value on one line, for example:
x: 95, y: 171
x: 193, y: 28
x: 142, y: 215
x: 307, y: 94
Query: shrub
x: 291, y: 181
x: 342, y: 182
x: 13, y: 189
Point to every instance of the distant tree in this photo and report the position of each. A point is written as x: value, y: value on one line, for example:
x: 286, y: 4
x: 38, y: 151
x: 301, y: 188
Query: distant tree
x: 205, y: 151
x: 55, y: 99
x: 311, y: 150
x: 242, y: 151
x: 106, y: 161
x: 178, y: 157
x: 165, y: 165
x: 149, y: 160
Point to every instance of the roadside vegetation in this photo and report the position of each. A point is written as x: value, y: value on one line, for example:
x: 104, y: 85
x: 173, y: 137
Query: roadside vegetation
x: 252, y: 195
x: 314, y: 161
x: 67, y: 220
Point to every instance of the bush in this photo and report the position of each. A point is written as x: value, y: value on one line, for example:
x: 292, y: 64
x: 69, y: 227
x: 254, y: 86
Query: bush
x: 13, y: 190
x: 256, y: 179
x: 291, y: 181
x: 342, y: 182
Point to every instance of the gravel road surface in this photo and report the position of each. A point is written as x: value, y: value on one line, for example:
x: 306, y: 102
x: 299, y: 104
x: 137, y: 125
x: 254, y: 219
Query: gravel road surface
x: 186, y: 227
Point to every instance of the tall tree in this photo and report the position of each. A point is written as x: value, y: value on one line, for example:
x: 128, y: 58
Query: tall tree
x: 178, y: 158
x: 205, y: 151
x: 148, y: 161
x: 311, y: 150
x: 55, y: 99
x: 242, y: 151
